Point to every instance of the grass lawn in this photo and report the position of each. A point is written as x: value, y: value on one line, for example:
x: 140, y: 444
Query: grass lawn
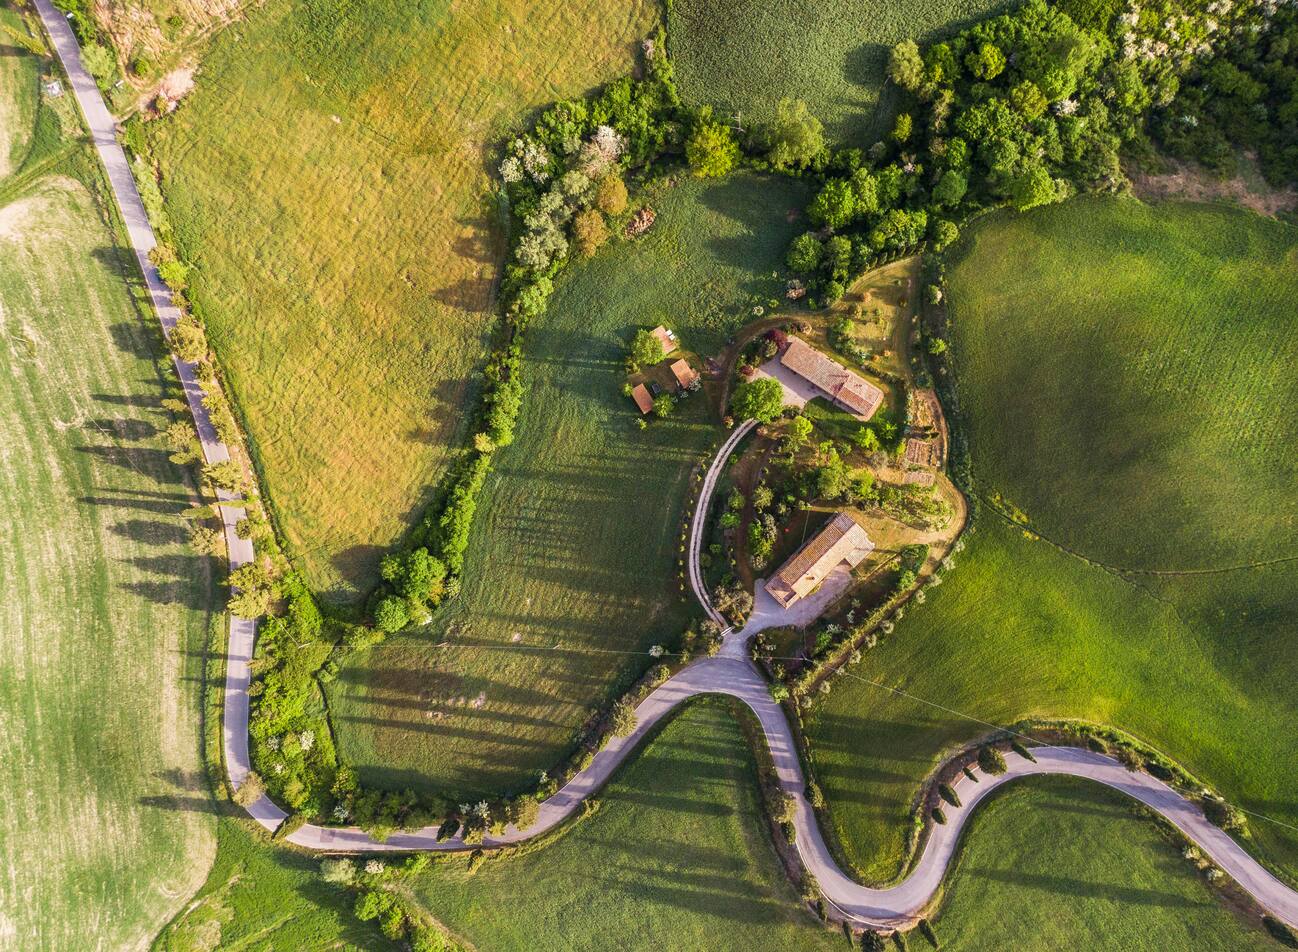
x: 102, y: 829
x: 676, y: 858
x: 328, y: 179
x: 576, y: 544
x: 1063, y: 864
x: 260, y: 896
x: 1133, y: 382
x: 748, y: 54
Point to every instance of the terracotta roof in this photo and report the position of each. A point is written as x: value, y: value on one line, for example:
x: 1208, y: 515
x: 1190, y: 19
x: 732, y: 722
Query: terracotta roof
x: 840, y: 384
x: 842, y: 540
x: 666, y: 338
x: 685, y: 374
x: 640, y: 394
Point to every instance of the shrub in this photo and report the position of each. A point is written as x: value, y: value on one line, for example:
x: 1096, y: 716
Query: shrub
x: 899, y: 940
x: 450, y: 826
x: 814, y: 795
x: 225, y: 475
x: 1281, y: 932
x: 939, y: 815
x: 1097, y: 745
x: 947, y: 793
x: 589, y: 231
x: 991, y: 760
x: 805, y: 253
x: 1222, y: 814
x: 872, y: 941
x: 622, y: 718
x: 926, y: 930
x: 610, y: 194
x: 1019, y: 748
x: 342, y: 872
x: 188, y: 340
x: 971, y: 775
x: 205, y: 541
x: 250, y: 791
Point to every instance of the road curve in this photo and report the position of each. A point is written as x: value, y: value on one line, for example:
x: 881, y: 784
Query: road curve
x: 699, y: 524
x: 733, y: 674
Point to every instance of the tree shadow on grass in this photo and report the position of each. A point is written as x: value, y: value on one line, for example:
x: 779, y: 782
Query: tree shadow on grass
x: 1082, y: 889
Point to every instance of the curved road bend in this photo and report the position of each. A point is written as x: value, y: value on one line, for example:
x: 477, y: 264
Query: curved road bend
x: 735, y: 676
x: 699, y: 523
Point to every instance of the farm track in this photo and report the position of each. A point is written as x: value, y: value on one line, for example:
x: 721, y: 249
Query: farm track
x: 731, y: 673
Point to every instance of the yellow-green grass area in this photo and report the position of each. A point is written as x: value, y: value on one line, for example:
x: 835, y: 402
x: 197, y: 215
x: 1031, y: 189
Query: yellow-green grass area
x: 328, y: 179
x: 677, y: 857
x: 1059, y: 863
x: 744, y: 56
x: 19, y: 94
x: 104, y: 829
x: 1137, y: 355
x: 571, y: 572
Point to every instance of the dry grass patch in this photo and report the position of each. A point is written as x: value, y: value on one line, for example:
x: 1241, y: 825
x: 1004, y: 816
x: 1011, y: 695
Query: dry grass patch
x: 327, y: 178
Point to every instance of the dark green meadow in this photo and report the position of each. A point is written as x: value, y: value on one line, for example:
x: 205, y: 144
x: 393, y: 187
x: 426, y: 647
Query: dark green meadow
x: 1128, y: 386
x: 572, y: 565
x: 745, y: 55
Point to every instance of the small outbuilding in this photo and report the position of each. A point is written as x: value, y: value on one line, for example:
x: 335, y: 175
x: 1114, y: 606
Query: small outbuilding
x: 666, y: 338
x: 686, y: 376
x: 640, y: 394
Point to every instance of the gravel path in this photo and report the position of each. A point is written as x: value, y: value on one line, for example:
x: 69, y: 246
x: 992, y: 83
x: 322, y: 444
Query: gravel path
x: 730, y: 673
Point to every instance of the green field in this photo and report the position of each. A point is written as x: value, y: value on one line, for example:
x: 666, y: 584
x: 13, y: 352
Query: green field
x: 677, y: 858
x: 328, y: 179
x: 104, y: 832
x: 1137, y: 362
x: 748, y: 54
x: 575, y: 547
x: 1065, y: 864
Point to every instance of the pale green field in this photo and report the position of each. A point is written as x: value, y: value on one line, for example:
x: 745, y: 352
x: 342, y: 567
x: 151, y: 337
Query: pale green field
x: 104, y: 832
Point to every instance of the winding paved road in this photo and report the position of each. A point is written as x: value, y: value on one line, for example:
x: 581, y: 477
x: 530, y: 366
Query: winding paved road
x: 730, y: 673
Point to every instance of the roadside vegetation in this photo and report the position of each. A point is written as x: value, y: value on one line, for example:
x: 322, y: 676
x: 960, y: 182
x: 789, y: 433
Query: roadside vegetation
x: 103, y: 826
x: 1126, y: 390
x: 325, y: 181
x: 576, y: 546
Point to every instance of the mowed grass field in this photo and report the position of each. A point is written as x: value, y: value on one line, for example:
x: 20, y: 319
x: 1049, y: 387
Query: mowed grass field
x: 573, y: 559
x: 746, y: 55
x: 328, y: 179
x: 103, y: 829
x: 1059, y: 863
x: 1141, y: 344
x: 677, y: 857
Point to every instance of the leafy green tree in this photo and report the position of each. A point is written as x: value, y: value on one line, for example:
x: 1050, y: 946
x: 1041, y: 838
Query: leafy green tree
x: 944, y: 232
x: 834, y: 205
x: 798, y: 433
x: 711, y: 149
x: 838, y: 257
x: 805, y: 253
x: 901, y: 128
x: 761, y: 400
x: 646, y: 350
x: 796, y: 136
x: 1028, y: 100
x: 250, y: 791
x: 1032, y: 187
x: 225, y: 475
x: 986, y: 62
x: 622, y: 718
x: 664, y: 405
x: 392, y: 614
x: 905, y: 66
x: 950, y: 188
x: 188, y: 339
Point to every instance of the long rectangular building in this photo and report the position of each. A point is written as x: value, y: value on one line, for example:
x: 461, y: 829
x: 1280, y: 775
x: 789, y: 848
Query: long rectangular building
x: 849, y: 390
x: 842, y: 540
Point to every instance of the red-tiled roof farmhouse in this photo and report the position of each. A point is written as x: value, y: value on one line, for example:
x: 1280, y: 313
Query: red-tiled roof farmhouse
x: 848, y: 390
x: 842, y: 540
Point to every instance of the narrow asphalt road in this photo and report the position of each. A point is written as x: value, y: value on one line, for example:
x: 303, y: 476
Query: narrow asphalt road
x: 699, y: 523
x: 730, y: 673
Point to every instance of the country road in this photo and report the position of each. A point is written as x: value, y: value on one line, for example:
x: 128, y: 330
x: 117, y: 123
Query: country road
x: 731, y: 673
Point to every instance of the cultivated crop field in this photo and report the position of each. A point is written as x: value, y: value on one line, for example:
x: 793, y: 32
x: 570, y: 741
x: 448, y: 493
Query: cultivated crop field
x: 104, y: 829
x: 746, y: 55
x: 327, y: 177
x: 1171, y: 399
x: 573, y: 558
x: 1059, y: 863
